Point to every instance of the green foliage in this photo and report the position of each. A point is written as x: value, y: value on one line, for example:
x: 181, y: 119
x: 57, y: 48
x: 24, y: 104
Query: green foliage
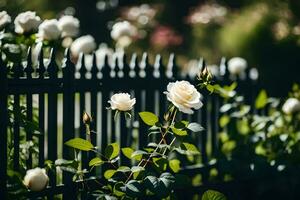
x: 261, y: 100
x: 149, y: 118
x: 80, y: 144
x: 174, y: 165
x: 213, y: 195
x: 127, y: 151
x: 96, y: 162
x: 112, y: 151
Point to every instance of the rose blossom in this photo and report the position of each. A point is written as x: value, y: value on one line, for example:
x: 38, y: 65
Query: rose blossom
x: 237, y: 65
x: 121, y: 102
x: 291, y: 105
x: 26, y: 22
x: 121, y: 29
x: 85, y: 44
x: 69, y: 26
x: 4, y: 19
x: 36, y: 179
x: 184, y: 96
x: 48, y: 30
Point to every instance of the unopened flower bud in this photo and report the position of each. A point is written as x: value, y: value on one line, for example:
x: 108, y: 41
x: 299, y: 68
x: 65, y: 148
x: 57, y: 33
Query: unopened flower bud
x: 205, y: 75
x: 86, y: 118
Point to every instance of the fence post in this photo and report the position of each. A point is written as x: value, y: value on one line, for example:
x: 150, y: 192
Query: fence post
x: 68, y: 115
x: 3, y: 130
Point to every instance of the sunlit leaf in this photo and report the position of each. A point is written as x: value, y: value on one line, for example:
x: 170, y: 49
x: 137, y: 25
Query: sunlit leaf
x: 81, y: 144
x: 127, y: 151
x: 109, y: 173
x: 261, y: 100
x: 213, y: 195
x: 96, y: 162
x: 112, y: 151
x: 149, y: 118
x: 174, y: 165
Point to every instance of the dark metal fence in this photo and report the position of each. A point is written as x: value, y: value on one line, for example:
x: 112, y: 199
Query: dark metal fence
x: 62, y: 94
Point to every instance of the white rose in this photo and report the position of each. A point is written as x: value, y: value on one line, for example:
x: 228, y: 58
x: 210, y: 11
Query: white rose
x: 4, y: 19
x: 184, y: 96
x: 291, y: 105
x: 69, y: 26
x: 237, y: 65
x: 85, y: 44
x: 121, y: 102
x: 121, y: 29
x: 48, y: 30
x: 26, y: 22
x: 36, y: 179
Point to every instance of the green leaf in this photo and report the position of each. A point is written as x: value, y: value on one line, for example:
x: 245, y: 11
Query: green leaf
x: 168, y: 179
x: 224, y: 120
x: 135, y: 169
x: 109, y: 173
x: 180, y: 124
x: 261, y: 100
x: 179, y: 132
x: 210, y: 88
x: 134, y: 189
x: 123, y: 169
x: 149, y: 118
x: 213, y: 195
x: 152, y: 183
x: 112, y: 151
x: 138, y: 154
x: 190, y: 148
x: 96, y: 162
x: 119, y: 189
x: 161, y: 163
x: 195, y: 127
x: 174, y: 165
x: 127, y: 151
x: 79, y: 143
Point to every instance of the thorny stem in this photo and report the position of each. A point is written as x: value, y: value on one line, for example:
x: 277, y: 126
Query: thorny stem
x: 157, y: 147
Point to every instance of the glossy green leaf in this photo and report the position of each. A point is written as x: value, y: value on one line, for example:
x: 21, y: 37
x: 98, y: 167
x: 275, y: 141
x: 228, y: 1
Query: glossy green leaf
x: 135, y: 169
x: 119, y: 189
x: 224, y: 120
x: 190, y: 148
x: 160, y: 163
x: 134, y: 189
x: 127, y: 151
x: 138, y: 154
x: 261, y: 100
x: 149, y: 118
x: 96, y: 162
x: 109, y: 173
x: 195, y: 127
x: 168, y: 179
x: 112, y: 151
x: 123, y: 169
x: 179, y: 132
x: 81, y: 144
x: 213, y: 195
x: 174, y: 165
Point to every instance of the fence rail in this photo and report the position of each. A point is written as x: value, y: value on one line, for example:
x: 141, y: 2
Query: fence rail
x: 58, y: 95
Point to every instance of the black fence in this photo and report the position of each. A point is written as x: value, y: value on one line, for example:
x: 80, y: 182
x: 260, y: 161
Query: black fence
x: 57, y: 97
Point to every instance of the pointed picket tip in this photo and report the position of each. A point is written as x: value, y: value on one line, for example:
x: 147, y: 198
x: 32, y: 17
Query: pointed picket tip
x: 144, y: 61
x: 52, y: 67
x: 41, y: 66
x: 105, y: 70
x: 94, y: 69
x: 82, y: 70
x: 29, y: 69
x: 172, y: 66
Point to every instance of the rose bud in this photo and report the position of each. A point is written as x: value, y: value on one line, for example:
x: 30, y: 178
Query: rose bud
x: 36, y: 179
